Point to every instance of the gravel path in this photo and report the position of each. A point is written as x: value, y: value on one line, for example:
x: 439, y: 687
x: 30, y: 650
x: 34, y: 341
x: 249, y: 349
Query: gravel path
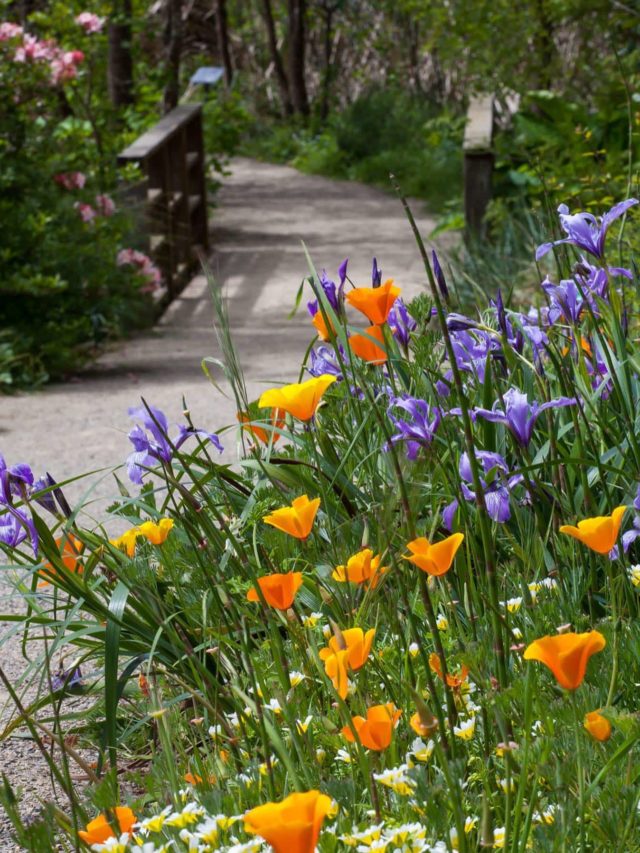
x: 263, y: 214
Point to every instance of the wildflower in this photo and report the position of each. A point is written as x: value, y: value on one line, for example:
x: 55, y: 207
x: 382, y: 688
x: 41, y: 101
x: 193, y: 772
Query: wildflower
x: 496, y: 486
x: 374, y: 302
x: 361, y: 568
x: 499, y: 837
x: 420, y: 750
x: 70, y: 549
x: 278, y: 590
x: 277, y: 422
x: 439, y: 276
x: 466, y: 729
x: 127, y: 542
x: 324, y: 362
x: 343, y: 756
x: 303, y: 725
x: 599, y: 533
x: 105, y: 205
x: 99, y: 829
x: 376, y: 730
x: 143, y: 265
x: 349, y: 650
x: 366, y: 349
x: 506, y: 785
x: 401, y: 322
x: 292, y: 825
x: 519, y: 415
x: 85, y: 211
x: 423, y: 725
x: 598, y: 726
x: 633, y: 573
x: 547, y: 816
x: 154, y: 533
x: 397, y: 779
x: 321, y: 754
x: 275, y: 706
x: 584, y: 230
x: 311, y: 619
x: 89, y: 22
x: 300, y: 399
x: 513, y: 604
x: 297, y: 519
x: 155, y: 822
x: 442, y: 623
x: 151, y: 443
x: 414, y: 649
x: 63, y: 680
x: 434, y: 559
x: 566, y: 655
x: 366, y: 836
x: 455, y: 681
x: 419, y: 425
x: 296, y: 677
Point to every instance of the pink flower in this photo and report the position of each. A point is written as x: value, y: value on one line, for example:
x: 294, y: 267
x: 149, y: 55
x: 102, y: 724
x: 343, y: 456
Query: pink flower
x: 10, y: 31
x: 71, y: 180
x: 64, y: 66
x: 87, y: 213
x: 105, y: 205
x: 90, y: 23
x: 145, y: 266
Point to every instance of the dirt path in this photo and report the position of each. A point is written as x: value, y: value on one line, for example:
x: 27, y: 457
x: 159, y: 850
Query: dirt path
x: 263, y: 214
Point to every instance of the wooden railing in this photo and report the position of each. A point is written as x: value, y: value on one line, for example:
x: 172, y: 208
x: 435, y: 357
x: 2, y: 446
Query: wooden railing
x: 478, y: 163
x: 171, y: 157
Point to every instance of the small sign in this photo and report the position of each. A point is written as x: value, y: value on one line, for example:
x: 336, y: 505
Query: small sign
x: 208, y: 75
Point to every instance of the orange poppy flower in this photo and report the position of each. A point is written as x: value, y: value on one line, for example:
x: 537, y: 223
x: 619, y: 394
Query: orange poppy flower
x: 365, y: 348
x: 99, y: 829
x: 300, y: 399
x: 421, y: 727
x: 348, y: 651
x: 597, y: 726
x: 599, y: 533
x: 156, y: 533
x: 361, y: 568
x: 194, y: 779
x: 434, y: 559
x: 375, y: 302
x: 321, y: 327
x: 297, y: 519
x: 279, y: 590
x: 566, y: 655
x: 277, y: 421
x: 455, y: 681
x: 70, y: 548
x: 292, y: 825
x: 376, y: 730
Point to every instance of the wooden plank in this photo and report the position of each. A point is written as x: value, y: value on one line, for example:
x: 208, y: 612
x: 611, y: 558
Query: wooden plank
x: 478, y: 134
x: 160, y: 133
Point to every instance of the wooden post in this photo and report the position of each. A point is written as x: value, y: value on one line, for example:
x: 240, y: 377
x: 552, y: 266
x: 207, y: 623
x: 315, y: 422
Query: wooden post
x: 478, y: 163
x: 171, y: 156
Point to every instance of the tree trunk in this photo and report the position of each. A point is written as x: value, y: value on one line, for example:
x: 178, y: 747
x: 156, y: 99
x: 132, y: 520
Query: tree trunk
x: 281, y: 77
x: 327, y: 73
x: 173, y: 53
x: 222, y: 31
x: 120, y: 63
x: 297, y: 46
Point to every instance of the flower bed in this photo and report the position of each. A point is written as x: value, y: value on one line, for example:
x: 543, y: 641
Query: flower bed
x: 406, y: 619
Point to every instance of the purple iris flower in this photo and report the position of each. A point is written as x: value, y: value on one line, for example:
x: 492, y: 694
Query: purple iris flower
x: 419, y: 428
x: 496, y: 487
x: 584, y: 230
x: 629, y: 536
x: 16, y: 524
x: 376, y: 274
x: 564, y: 300
x: 151, y: 444
x: 324, y: 360
x: 459, y: 323
x: 401, y: 322
x: 331, y: 291
x: 513, y: 335
x: 66, y: 679
x: 519, y: 415
x: 440, y: 279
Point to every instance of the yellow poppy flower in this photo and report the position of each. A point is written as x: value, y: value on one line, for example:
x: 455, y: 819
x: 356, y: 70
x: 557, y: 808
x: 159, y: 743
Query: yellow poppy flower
x: 300, y: 399
x: 599, y: 533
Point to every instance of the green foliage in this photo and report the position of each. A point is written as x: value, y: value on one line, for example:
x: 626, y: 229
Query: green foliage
x: 386, y: 130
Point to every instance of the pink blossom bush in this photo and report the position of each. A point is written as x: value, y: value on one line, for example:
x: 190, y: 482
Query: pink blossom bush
x: 90, y: 23
x: 144, y: 266
x: 71, y: 180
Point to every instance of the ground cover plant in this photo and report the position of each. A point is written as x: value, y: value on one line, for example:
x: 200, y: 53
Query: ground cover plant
x: 406, y: 619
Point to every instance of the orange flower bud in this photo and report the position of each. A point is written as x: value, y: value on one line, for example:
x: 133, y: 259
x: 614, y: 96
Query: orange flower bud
x: 597, y: 726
